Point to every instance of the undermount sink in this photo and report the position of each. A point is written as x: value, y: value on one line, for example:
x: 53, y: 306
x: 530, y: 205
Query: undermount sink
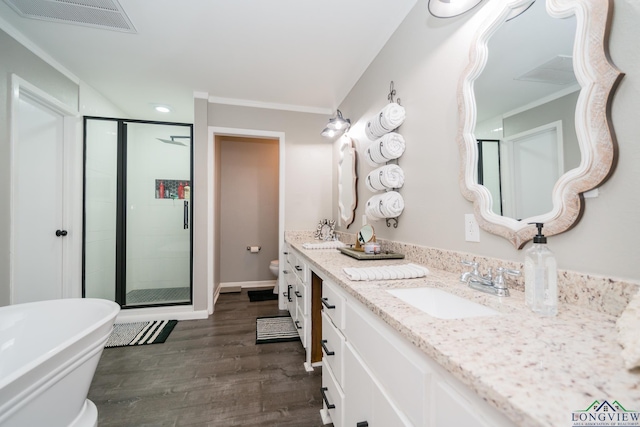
x: 441, y: 304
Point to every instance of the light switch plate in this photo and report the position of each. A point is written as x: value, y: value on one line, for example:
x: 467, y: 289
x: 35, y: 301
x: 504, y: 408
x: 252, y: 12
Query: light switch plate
x: 471, y: 228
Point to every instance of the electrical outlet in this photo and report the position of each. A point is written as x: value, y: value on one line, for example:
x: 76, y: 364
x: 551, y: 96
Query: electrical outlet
x: 364, y: 220
x: 471, y: 228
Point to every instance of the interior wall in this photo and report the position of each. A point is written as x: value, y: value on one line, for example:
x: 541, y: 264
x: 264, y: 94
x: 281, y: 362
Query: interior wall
x: 308, y: 155
x: 425, y: 58
x: 248, y: 207
x: 16, y: 59
x: 558, y: 109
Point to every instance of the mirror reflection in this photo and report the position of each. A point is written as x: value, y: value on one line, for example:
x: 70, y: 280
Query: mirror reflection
x: 526, y: 99
x: 598, y: 79
x: 347, y: 178
x: 365, y: 235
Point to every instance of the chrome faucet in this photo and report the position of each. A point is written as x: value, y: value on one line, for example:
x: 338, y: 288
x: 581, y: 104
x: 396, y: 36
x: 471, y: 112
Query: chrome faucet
x: 488, y: 283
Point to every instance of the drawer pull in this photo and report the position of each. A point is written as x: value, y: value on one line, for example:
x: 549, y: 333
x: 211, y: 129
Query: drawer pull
x: 362, y: 424
x: 298, y: 294
x: 298, y: 268
x: 289, y: 292
x: 325, y: 302
x: 286, y: 253
x: 324, y: 397
x: 285, y: 271
x: 297, y: 322
x: 326, y: 350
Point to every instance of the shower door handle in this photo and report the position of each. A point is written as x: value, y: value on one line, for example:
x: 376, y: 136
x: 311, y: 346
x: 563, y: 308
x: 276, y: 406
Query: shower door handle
x: 186, y: 214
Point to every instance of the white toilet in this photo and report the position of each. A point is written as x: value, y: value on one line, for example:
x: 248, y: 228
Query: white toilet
x: 274, y: 266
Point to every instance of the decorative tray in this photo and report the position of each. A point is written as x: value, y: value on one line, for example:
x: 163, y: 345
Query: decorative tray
x: 359, y: 255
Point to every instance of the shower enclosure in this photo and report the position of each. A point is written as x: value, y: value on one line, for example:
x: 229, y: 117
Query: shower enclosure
x: 137, y: 212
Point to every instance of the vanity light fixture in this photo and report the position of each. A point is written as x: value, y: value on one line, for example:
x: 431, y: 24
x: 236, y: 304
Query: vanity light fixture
x: 451, y: 8
x: 337, y: 125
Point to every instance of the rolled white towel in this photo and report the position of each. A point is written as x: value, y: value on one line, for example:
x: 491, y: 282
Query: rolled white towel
x: 392, y: 116
x: 385, y: 178
x: 385, y: 205
x: 391, y: 146
x: 387, y: 120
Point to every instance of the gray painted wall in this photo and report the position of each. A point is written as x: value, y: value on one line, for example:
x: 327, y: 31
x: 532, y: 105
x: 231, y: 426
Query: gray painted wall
x: 16, y: 59
x: 308, y: 158
x: 558, y: 109
x: 248, y: 208
x: 424, y: 58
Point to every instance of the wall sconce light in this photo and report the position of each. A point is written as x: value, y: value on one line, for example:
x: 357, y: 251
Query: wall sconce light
x: 451, y: 8
x: 336, y: 126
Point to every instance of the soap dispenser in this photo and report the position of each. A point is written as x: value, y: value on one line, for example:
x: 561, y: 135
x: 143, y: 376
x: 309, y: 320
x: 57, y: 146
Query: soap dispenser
x: 541, y: 276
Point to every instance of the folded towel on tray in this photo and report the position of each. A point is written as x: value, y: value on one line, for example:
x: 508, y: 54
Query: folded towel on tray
x: 385, y: 205
x: 386, y: 272
x: 332, y: 244
x: 628, y: 335
x: 387, y: 120
x: 385, y: 178
x: 389, y: 147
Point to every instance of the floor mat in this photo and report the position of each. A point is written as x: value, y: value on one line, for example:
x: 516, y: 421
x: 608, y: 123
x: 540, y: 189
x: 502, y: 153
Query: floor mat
x: 262, y: 295
x: 140, y: 333
x: 275, y: 329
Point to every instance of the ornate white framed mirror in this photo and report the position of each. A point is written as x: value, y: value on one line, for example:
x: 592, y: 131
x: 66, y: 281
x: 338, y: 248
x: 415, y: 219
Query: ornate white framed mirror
x: 551, y: 58
x: 347, y: 180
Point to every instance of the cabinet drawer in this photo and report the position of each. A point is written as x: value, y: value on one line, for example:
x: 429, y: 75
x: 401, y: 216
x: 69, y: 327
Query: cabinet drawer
x: 333, y: 303
x: 358, y: 390
x: 386, y: 413
x: 333, y: 348
x: 392, y: 361
x: 301, y: 295
x: 333, y: 397
x: 300, y: 320
x: 297, y: 266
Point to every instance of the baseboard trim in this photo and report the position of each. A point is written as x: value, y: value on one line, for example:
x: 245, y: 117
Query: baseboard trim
x: 259, y: 284
x: 185, y: 312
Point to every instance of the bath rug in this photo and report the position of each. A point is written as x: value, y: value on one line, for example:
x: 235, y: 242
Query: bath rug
x: 275, y: 329
x: 262, y: 295
x: 140, y: 333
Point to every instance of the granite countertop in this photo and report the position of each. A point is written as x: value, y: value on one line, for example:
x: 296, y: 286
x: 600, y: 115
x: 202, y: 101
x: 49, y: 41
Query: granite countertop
x: 536, y: 370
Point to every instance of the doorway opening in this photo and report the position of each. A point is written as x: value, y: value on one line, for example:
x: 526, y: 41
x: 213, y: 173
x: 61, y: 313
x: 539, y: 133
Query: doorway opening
x: 274, y: 203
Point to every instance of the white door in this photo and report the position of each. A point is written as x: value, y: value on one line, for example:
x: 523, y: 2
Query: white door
x: 40, y: 225
x: 535, y: 164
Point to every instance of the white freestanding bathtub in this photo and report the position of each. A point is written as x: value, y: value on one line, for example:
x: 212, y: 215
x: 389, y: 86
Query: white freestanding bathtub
x: 49, y: 351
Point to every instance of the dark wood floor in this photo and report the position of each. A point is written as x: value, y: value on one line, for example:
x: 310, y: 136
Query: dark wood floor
x: 209, y: 373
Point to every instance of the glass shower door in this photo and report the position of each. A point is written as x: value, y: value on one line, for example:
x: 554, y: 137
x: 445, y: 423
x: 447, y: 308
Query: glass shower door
x: 137, y: 212
x: 158, y: 231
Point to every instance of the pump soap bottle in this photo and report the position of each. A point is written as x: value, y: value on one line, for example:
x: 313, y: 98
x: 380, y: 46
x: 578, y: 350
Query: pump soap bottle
x: 541, y: 277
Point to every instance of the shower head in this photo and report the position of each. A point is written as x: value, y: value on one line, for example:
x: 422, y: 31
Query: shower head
x: 173, y: 141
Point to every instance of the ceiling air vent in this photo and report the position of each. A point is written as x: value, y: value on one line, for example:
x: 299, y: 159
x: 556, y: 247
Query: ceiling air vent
x: 558, y: 71
x: 104, y: 14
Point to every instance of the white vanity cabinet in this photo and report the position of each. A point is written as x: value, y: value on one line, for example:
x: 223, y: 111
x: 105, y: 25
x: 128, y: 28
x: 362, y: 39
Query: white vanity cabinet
x: 372, y: 376
x: 298, y: 297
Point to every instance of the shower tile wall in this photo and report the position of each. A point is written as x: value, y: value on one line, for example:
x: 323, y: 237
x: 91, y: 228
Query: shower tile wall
x: 100, y: 205
x: 158, y: 253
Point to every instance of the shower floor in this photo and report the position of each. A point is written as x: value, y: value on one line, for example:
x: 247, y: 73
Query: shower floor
x: 158, y: 296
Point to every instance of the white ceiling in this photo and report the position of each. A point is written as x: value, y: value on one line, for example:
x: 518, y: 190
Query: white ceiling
x: 298, y: 53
